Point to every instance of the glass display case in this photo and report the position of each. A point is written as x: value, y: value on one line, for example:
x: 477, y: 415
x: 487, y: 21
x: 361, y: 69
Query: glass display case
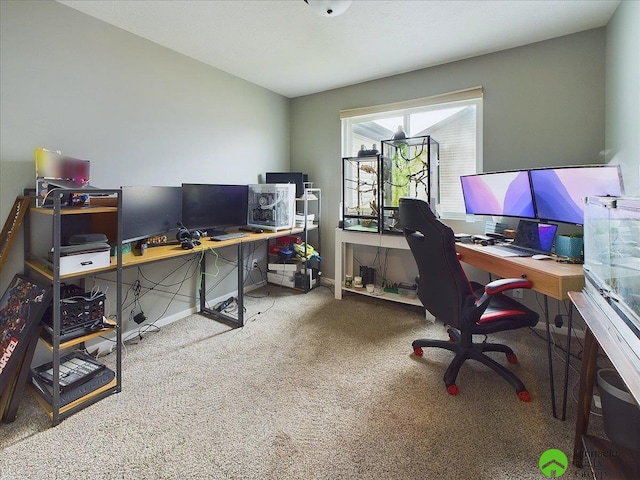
x: 612, y: 262
x: 409, y: 169
x: 361, y: 193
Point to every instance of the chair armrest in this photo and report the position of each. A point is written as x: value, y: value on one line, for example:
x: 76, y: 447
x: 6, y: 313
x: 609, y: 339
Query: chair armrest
x: 499, y: 286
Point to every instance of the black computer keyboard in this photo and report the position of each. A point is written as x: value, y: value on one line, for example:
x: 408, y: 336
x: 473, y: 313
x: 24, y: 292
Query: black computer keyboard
x: 228, y: 236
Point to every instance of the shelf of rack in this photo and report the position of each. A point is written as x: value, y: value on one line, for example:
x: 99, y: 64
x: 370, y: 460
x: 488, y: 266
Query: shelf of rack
x: 311, y: 196
x: 41, y: 267
x: 75, y: 210
x: 84, y: 338
x: 50, y: 270
x: 393, y: 297
x: 71, y: 407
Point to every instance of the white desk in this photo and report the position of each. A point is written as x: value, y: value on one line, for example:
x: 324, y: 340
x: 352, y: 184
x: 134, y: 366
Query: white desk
x: 345, y: 240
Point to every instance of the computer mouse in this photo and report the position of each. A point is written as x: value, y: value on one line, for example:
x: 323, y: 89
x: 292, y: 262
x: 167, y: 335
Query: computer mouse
x: 541, y: 257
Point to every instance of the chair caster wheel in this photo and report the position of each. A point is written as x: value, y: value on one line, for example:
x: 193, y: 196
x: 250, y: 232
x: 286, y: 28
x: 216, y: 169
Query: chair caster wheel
x: 418, y: 352
x: 524, y: 396
x: 453, y: 389
x: 511, y: 357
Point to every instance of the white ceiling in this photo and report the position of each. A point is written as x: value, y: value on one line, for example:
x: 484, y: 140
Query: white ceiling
x: 283, y: 46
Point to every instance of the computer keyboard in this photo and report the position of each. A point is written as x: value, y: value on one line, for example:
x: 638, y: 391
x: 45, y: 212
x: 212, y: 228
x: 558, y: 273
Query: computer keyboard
x: 508, y: 251
x: 228, y: 236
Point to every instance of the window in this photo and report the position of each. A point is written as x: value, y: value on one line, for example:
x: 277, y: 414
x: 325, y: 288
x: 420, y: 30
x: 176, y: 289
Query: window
x: 454, y: 120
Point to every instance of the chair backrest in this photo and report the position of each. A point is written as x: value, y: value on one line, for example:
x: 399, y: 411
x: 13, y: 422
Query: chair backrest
x: 443, y: 287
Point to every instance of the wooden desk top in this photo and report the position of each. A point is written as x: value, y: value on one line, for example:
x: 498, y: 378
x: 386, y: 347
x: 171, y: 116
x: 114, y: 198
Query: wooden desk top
x: 165, y: 252
x: 549, y: 277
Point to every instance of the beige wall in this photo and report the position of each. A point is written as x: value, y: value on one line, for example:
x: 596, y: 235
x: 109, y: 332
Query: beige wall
x: 544, y: 105
x: 623, y: 93
x: 146, y: 115
x: 142, y: 114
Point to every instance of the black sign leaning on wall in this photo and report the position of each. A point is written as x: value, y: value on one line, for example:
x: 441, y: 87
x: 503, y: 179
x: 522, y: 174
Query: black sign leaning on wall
x: 21, y: 308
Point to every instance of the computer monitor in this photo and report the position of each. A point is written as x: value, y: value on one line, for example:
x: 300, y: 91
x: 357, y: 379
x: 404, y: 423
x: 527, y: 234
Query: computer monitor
x: 214, y: 207
x: 298, y: 178
x: 506, y: 194
x: 559, y: 192
x: 149, y: 211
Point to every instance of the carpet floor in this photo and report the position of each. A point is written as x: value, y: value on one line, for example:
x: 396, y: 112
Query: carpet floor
x: 311, y: 387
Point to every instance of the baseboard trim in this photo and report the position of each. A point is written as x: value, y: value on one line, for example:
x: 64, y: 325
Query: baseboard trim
x: 542, y: 327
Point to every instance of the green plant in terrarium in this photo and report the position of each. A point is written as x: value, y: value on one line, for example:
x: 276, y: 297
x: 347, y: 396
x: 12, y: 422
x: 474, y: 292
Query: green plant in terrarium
x: 408, y: 172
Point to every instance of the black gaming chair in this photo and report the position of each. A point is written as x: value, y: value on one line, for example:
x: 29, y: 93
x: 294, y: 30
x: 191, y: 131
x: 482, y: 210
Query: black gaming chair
x: 466, y: 307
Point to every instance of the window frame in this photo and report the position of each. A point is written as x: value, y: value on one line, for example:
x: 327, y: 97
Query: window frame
x: 405, y: 109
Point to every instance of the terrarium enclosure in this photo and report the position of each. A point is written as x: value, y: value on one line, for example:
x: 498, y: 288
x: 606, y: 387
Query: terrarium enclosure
x: 409, y: 169
x: 361, y: 193
x: 612, y: 252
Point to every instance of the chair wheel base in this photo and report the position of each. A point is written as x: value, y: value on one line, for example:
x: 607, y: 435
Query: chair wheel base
x: 453, y: 389
x: 524, y: 396
x: 418, y: 352
x: 511, y: 358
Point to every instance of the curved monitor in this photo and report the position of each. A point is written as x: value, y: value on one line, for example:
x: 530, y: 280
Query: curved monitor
x: 149, y: 211
x: 559, y: 192
x: 506, y: 194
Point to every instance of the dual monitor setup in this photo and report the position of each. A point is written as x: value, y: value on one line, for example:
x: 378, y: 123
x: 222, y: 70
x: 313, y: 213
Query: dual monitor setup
x: 545, y: 194
x: 149, y: 211
x: 539, y: 196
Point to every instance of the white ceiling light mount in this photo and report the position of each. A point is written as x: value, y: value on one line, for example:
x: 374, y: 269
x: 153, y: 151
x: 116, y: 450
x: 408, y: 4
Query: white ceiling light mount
x: 328, y: 8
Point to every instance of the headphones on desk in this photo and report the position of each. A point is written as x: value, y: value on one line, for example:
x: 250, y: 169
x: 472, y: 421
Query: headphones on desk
x: 188, y: 239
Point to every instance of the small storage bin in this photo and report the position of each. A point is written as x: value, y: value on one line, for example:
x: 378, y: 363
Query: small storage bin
x: 408, y: 290
x: 620, y: 412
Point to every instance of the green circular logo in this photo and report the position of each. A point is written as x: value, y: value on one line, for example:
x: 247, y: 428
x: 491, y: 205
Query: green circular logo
x: 553, y: 463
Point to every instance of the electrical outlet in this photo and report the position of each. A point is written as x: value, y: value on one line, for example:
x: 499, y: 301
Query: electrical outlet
x: 597, y: 402
x: 517, y: 293
x: 255, y: 265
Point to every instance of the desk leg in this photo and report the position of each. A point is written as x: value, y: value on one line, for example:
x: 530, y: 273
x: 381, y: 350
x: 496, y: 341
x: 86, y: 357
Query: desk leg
x: 338, y: 267
x: 566, y: 366
x: 240, y: 298
x: 203, y: 283
x: 550, y: 357
x: 585, y: 393
x: 221, y: 316
x: 563, y: 417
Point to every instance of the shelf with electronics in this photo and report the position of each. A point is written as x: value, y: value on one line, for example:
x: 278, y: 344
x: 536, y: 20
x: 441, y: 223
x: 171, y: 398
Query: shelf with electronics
x: 294, y: 260
x: 372, y: 184
x: 73, y: 380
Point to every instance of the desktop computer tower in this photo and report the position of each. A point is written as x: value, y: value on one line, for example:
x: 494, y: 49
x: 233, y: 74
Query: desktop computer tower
x: 272, y: 206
